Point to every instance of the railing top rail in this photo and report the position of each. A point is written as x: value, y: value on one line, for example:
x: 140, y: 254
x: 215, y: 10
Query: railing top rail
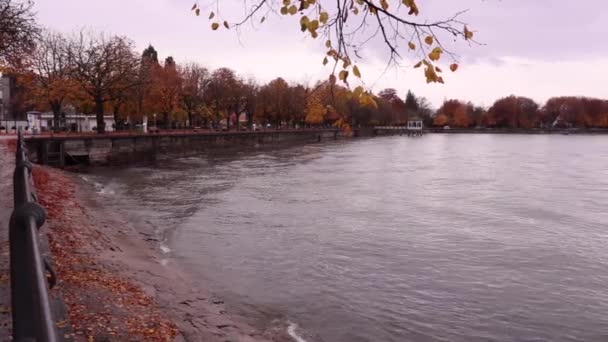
x: 30, y: 301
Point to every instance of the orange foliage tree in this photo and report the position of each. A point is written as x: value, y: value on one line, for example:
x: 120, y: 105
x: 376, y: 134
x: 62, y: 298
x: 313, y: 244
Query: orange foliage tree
x: 514, y: 112
x: 455, y: 113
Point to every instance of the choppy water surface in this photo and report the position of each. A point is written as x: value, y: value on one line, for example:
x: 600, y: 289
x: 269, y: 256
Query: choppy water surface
x: 438, y: 238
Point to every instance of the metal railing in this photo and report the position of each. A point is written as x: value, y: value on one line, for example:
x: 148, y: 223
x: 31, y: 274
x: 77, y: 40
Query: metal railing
x: 31, y: 306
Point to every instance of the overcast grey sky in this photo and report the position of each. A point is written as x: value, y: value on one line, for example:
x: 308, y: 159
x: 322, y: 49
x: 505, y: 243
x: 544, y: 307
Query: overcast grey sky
x: 536, y: 48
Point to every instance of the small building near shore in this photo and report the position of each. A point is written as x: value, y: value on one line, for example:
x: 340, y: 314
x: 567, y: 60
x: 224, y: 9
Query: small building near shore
x: 76, y: 122
x: 414, y: 124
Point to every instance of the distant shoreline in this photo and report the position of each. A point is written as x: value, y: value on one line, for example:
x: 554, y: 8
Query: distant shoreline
x: 564, y: 131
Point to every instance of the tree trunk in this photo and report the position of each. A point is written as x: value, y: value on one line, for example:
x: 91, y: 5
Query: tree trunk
x: 56, y: 116
x: 166, y: 120
x: 190, y: 123
x: 250, y: 120
x: 101, y: 124
x: 116, y: 109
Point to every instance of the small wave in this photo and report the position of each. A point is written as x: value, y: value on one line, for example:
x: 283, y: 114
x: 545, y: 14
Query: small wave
x: 106, y: 191
x: 291, y: 331
x: 165, y: 248
x: 164, y: 262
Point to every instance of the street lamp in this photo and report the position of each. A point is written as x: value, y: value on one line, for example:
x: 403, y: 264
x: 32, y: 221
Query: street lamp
x: 154, y: 120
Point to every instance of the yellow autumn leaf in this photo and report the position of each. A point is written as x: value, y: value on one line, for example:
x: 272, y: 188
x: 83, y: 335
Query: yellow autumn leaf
x: 346, y: 62
x: 211, y: 15
x: 215, y: 26
x: 325, y: 60
x: 467, y: 34
x: 366, y: 100
x: 412, y: 5
x: 411, y: 45
x: 428, y: 40
x: 328, y: 43
x: 453, y: 67
x: 435, y: 54
x: 313, y: 25
x: 356, y: 71
x: 292, y: 9
x: 358, y: 91
x: 430, y: 74
x: 323, y: 17
x: 384, y: 4
x: 342, y: 75
x: 284, y: 10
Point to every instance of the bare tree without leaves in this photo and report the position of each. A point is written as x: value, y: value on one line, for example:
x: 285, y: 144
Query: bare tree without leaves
x: 348, y: 25
x: 104, y: 67
x: 18, y: 31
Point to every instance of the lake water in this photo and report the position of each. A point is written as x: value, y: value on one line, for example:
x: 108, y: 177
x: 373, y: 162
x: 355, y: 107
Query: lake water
x: 437, y: 238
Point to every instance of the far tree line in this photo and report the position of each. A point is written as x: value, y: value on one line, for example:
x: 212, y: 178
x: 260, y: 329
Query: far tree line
x: 91, y: 72
x: 95, y: 73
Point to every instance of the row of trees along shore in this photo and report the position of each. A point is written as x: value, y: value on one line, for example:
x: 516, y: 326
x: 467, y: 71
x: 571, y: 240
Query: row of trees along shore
x: 103, y: 74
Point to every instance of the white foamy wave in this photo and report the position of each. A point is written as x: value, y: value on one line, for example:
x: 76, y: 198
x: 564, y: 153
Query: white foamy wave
x: 291, y: 331
x: 165, y: 248
x: 106, y: 191
x: 164, y: 262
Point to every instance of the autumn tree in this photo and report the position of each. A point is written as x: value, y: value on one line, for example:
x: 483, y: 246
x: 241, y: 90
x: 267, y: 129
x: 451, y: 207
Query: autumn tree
x: 315, y: 110
x: 166, y: 91
x: 148, y: 67
x: 297, y: 104
x: 347, y: 26
x: 581, y: 112
x: 250, y: 91
x: 104, y: 66
x: 224, y: 94
x: 18, y: 31
x: 195, y: 80
x: 411, y: 102
x: 514, y: 112
x: 51, y: 67
x: 425, y: 110
x: 274, y: 101
x: 396, y: 107
x: 454, y: 113
x: 479, y: 115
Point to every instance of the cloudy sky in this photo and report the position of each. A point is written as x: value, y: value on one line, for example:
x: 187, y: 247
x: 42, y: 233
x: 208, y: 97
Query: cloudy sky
x: 535, y: 48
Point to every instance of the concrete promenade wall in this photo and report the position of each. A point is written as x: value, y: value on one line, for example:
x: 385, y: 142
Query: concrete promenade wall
x: 60, y: 150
